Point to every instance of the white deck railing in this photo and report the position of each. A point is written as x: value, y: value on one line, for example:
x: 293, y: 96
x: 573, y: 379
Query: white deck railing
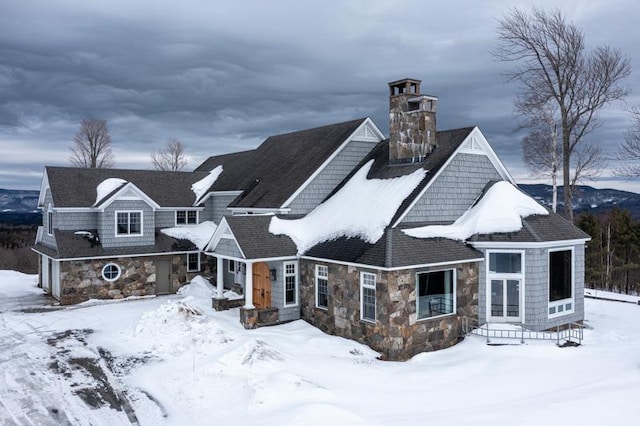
x: 572, y: 332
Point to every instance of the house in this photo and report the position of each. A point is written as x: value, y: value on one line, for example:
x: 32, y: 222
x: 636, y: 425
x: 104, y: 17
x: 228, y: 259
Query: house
x: 391, y: 242
x: 101, y: 232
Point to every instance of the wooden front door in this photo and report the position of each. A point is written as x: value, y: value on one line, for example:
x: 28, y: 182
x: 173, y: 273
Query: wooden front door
x: 261, y: 286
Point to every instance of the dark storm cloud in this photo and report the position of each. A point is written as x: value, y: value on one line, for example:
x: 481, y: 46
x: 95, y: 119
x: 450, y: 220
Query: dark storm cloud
x: 221, y: 76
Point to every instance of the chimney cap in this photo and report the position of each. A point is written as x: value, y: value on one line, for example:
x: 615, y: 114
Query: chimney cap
x: 405, y: 80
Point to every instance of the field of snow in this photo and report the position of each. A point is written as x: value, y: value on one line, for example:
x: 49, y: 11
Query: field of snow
x: 171, y: 360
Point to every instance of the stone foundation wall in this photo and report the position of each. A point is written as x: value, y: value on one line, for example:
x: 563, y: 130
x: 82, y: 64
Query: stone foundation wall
x: 82, y: 280
x: 396, y: 334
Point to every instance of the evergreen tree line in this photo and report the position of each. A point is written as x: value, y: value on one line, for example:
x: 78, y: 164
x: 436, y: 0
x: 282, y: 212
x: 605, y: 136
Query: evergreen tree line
x: 612, y: 257
x: 15, y: 248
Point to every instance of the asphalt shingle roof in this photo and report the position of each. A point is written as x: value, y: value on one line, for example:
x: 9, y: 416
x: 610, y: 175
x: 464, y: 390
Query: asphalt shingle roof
x: 256, y: 242
x: 70, y: 246
x: 76, y: 187
x: 395, y: 249
x: 271, y: 173
x: 538, y: 228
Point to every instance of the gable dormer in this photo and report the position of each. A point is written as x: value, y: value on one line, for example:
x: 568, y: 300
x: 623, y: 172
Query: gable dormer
x: 457, y: 182
x: 126, y: 217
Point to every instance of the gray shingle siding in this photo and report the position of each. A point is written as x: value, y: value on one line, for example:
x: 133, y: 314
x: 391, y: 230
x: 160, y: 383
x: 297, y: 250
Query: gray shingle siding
x: 107, y: 228
x: 228, y: 247
x: 277, y: 293
x: 455, y: 190
x: 216, y: 207
x: 165, y: 218
x: 337, y: 169
x: 539, y: 317
x: 535, y: 285
x: 74, y: 221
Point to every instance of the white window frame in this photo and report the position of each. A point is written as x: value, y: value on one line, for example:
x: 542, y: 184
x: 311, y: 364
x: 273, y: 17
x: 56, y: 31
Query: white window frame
x: 366, y: 279
x: 49, y: 220
x: 557, y: 304
x: 284, y: 282
x: 197, y: 253
x: 504, y: 275
x: 454, y: 278
x: 128, y: 212
x: 231, y: 266
x: 186, y: 217
x: 104, y: 268
x: 324, y: 276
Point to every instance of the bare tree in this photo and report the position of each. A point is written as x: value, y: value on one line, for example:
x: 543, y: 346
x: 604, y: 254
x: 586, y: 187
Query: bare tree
x: 587, y: 163
x: 92, y: 146
x: 553, y: 66
x: 172, y: 157
x: 542, y: 153
x: 541, y: 150
x: 629, y: 151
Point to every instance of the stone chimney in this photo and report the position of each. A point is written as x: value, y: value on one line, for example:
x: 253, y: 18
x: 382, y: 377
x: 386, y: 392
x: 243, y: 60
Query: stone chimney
x: 412, y: 122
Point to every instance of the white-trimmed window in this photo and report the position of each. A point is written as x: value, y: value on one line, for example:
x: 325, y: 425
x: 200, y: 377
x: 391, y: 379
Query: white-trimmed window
x: 193, y: 262
x: 231, y: 266
x: 290, y: 280
x: 50, y: 220
x: 505, y: 279
x: 435, y: 293
x: 322, y: 286
x: 368, y: 296
x: 186, y: 217
x: 128, y: 223
x: 111, y: 272
x: 561, y: 281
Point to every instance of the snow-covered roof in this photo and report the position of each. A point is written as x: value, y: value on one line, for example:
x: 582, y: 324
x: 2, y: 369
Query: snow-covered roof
x: 106, y: 187
x: 201, y: 187
x: 500, y: 210
x: 361, y: 208
x: 199, y: 234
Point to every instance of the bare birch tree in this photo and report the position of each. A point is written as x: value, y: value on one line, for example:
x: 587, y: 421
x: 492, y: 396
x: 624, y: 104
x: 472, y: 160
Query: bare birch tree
x: 92, y: 146
x: 553, y: 66
x: 170, y: 158
x: 541, y: 150
x: 629, y: 151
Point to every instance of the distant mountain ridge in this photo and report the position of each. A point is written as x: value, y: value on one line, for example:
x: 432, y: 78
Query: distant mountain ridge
x: 21, y: 206
x: 588, y: 199
x: 18, y: 201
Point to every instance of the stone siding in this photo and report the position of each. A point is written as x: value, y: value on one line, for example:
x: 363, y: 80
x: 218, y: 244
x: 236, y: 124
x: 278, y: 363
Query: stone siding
x: 396, y: 334
x: 82, y: 280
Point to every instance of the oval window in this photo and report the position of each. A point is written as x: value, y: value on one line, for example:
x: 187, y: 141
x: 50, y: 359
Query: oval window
x: 111, y: 272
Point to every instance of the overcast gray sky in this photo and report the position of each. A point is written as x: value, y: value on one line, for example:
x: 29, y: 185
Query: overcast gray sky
x: 223, y: 75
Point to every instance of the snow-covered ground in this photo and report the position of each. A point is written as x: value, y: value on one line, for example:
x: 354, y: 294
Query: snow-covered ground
x: 171, y: 360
